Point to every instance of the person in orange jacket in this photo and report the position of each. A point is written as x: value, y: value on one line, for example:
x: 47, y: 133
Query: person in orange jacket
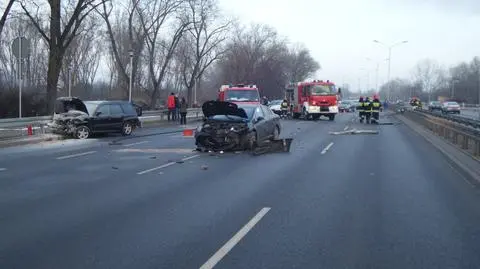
x: 171, y: 107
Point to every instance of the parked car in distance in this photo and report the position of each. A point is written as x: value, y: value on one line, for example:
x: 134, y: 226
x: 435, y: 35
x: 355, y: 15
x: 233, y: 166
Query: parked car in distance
x: 435, y: 105
x: 274, y: 105
x: 346, y: 106
x: 81, y: 119
x: 450, y: 107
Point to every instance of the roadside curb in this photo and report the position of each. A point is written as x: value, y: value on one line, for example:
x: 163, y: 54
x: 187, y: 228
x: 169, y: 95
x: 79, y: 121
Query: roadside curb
x: 466, y: 164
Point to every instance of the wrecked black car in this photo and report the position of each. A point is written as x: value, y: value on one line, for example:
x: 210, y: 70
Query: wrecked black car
x: 74, y: 117
x: 228, y: 126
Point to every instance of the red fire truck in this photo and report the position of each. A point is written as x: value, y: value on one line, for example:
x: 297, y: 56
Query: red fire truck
x: 239, y: 93
x: 314, y: 99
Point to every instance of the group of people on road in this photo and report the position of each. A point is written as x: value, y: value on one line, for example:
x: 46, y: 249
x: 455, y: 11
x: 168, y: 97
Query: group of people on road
x: 177, y: 108
x: 369, y: 109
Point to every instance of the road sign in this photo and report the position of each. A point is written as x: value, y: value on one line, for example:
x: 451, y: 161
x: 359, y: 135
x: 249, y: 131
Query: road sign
x: 22, y: 52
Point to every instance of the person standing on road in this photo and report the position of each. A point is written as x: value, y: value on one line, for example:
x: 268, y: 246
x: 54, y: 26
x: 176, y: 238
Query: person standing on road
x: 376, y: 105
x: 171, y: 106
x: 183, y: 111
x: 177, y: 107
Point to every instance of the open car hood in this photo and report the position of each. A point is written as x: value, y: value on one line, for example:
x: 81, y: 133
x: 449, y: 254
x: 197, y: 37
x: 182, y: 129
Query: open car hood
x: 69, y: 104
x: 213, y: 108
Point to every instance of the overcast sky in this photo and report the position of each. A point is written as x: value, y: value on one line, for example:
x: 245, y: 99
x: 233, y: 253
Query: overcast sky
x: 340, y: 33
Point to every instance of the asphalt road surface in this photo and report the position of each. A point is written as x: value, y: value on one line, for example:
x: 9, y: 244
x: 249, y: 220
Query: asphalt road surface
x: 388, y: 200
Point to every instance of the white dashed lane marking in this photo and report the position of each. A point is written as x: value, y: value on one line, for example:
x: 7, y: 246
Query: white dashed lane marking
x: 327, y: 148
x: 225, y: 249
x: 75, y: 155
x: 136, y: 143
x: 165, y: 165
x: 3, y: 169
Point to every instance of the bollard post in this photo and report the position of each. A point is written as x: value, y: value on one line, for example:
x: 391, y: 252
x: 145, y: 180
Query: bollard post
x: 29, y: 130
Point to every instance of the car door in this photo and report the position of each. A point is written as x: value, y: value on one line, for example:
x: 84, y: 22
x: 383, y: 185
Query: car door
x: 101, y: 118
x: 260, y: 123
x: 116, y: 120
x: 269, y: 120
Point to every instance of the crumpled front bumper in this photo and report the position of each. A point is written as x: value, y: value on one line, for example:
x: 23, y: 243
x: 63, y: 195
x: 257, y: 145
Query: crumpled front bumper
x: 231, y: 141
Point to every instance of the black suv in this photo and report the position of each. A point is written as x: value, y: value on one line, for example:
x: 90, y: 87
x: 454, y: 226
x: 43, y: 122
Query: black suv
x: 83, y: 118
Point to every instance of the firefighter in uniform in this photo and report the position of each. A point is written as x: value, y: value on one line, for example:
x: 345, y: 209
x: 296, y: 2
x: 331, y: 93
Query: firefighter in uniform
x: 367, y: 108
x: 284, y: 108
x: 360, y: 109
x: 376, y: 105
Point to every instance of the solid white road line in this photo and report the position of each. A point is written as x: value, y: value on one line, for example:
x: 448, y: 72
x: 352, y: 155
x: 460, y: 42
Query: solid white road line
x: 346, y: 127
x: 3, y: 169
x: 165, y: 165
x: 327, y: 148
x: 235, y: 239
x: 75, y: 155
x: 136, y: 143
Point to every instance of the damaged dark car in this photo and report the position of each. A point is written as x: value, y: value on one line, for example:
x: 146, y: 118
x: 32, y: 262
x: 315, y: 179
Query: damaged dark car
x: 81, y: 119
x: 228, y: 126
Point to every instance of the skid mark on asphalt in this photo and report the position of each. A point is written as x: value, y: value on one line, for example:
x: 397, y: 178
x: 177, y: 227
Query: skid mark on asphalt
x: 225, y: 249
x: 75, y: 155
x: 325, y: 150
x: 165, y: 165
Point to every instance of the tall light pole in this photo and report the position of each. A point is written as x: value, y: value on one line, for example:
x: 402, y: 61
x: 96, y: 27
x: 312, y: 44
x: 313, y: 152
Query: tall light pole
x: 389, y: 47
x: 377, y: 69
x: 130, y: 53
x: 452, y: 94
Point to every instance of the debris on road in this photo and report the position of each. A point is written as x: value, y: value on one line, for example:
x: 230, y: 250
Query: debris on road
x: 114, y: 167
x: 354, y: 131
x: 204, y: 167
x: 274, y: 146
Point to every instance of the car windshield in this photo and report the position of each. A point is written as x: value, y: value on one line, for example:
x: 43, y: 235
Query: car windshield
x: 90, y: 107
x: 242, y: 95
x: 323, y: 90
x: 249, y: 110
x: 452, y: 104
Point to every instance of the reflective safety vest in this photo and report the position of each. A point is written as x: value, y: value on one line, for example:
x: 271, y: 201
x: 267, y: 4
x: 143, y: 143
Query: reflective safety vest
x: 376, y: 106
x: 360, y: 106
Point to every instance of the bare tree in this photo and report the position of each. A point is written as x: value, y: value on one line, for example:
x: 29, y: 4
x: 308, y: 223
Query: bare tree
x: 428, y: 73
x: 119, y: 45
x: 202, y: 46
x: 153, y: 16
x: 3, y: 19
x: 301, y: 64
x: 57, y: 38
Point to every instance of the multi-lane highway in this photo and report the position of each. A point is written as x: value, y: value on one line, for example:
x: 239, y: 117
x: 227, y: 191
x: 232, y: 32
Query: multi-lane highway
x: 388, y: 200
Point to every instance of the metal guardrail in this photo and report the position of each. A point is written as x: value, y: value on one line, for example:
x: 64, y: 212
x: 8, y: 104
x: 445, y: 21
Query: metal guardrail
x: 454, y: 118
x: 467, y: 137
x: 14, y: 128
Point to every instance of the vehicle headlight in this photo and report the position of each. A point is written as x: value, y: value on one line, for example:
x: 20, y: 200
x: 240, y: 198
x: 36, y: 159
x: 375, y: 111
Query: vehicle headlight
x: 232, y: 129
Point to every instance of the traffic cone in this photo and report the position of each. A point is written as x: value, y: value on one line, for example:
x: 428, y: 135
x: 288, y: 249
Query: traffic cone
x: 188, y: 132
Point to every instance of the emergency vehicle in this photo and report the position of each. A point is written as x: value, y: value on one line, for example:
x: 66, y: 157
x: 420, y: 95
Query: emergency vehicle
x: 314, y: 99
x: 239, y: 93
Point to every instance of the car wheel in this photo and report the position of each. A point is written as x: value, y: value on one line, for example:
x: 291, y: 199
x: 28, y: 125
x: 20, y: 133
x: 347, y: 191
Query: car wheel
x: 276, y: 133
x: 82, y: 132
x: 127, y: 128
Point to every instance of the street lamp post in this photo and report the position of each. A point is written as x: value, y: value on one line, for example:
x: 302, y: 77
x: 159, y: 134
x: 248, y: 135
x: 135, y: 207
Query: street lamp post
x: 130, y: 52
x: 389, y: 47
